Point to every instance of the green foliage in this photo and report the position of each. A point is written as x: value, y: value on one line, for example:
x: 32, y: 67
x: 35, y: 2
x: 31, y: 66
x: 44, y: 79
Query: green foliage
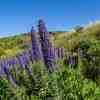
x: 91, y: 59
x: 63, y: 84
x: 2, y: 51
x: 15, y: 43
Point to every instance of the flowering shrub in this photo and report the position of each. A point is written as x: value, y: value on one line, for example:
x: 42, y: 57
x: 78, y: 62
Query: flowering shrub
x: 25, y: 76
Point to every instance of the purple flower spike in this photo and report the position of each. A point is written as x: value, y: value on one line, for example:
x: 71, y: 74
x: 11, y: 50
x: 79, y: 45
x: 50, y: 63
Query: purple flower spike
x: 5, y: 68
x: 31, y: 56
x: 60, y: 52
x: 56, y: 53
x: 21, y: 62
x: 14, y: 63
x: 44, y: 34
x: 9, y: 76
x: 36, y: 46
x: 48, y: 53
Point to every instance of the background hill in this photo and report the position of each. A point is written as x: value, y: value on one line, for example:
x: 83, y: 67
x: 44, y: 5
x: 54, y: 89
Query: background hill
x: 68, y: 40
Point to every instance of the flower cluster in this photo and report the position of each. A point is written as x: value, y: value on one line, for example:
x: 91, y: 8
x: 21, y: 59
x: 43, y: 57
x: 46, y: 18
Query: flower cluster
x: 59, y: 52
x: 42, y: 49
x: 47, y: 49
x: 13, y: 66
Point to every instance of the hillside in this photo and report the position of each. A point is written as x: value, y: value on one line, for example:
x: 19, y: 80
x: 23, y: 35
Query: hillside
x: 15, y: 44
x: 55, y: 66
x: 68, y: 40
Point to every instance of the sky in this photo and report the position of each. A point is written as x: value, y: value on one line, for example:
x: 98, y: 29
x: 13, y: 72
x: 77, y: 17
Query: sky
x: 17, y: 16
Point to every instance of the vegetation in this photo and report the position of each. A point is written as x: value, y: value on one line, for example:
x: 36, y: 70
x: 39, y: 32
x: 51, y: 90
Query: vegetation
x: 66, y: 83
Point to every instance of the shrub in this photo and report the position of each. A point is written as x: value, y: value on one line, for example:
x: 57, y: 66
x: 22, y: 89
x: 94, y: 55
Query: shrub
x: 2, y: 51
x: 91, y: 72
x: 78, y: 28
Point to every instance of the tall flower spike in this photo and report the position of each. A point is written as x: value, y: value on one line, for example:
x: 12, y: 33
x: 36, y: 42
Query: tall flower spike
x: 36, y: 46
x: 20, y: 61
x: 60, y: 52
x: 26, y: 64
x: 44, y: 34
x: 8, y: 74
x: 48, y: 52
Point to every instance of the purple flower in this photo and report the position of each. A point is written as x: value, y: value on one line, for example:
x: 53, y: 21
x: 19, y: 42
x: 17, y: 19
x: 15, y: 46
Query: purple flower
x: 21, y: 61
x: 14, y: 63
x: 27, y: 68
x: 27, y: 55
x: 47, y: 49
x: 60, y: 52
x: 8, y: 74
x: 36, y: 46
x: 44, y: 35
x: 5, y: 68
x: 31, y: 56
x: 24, y: 63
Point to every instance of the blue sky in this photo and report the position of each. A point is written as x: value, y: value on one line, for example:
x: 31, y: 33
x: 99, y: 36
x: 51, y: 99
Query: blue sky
x: 17, y: 16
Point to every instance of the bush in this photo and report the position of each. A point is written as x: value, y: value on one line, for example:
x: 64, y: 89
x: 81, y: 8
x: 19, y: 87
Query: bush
x: 64, y: 84
x: 91, y: 72
x: 2, y: 52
